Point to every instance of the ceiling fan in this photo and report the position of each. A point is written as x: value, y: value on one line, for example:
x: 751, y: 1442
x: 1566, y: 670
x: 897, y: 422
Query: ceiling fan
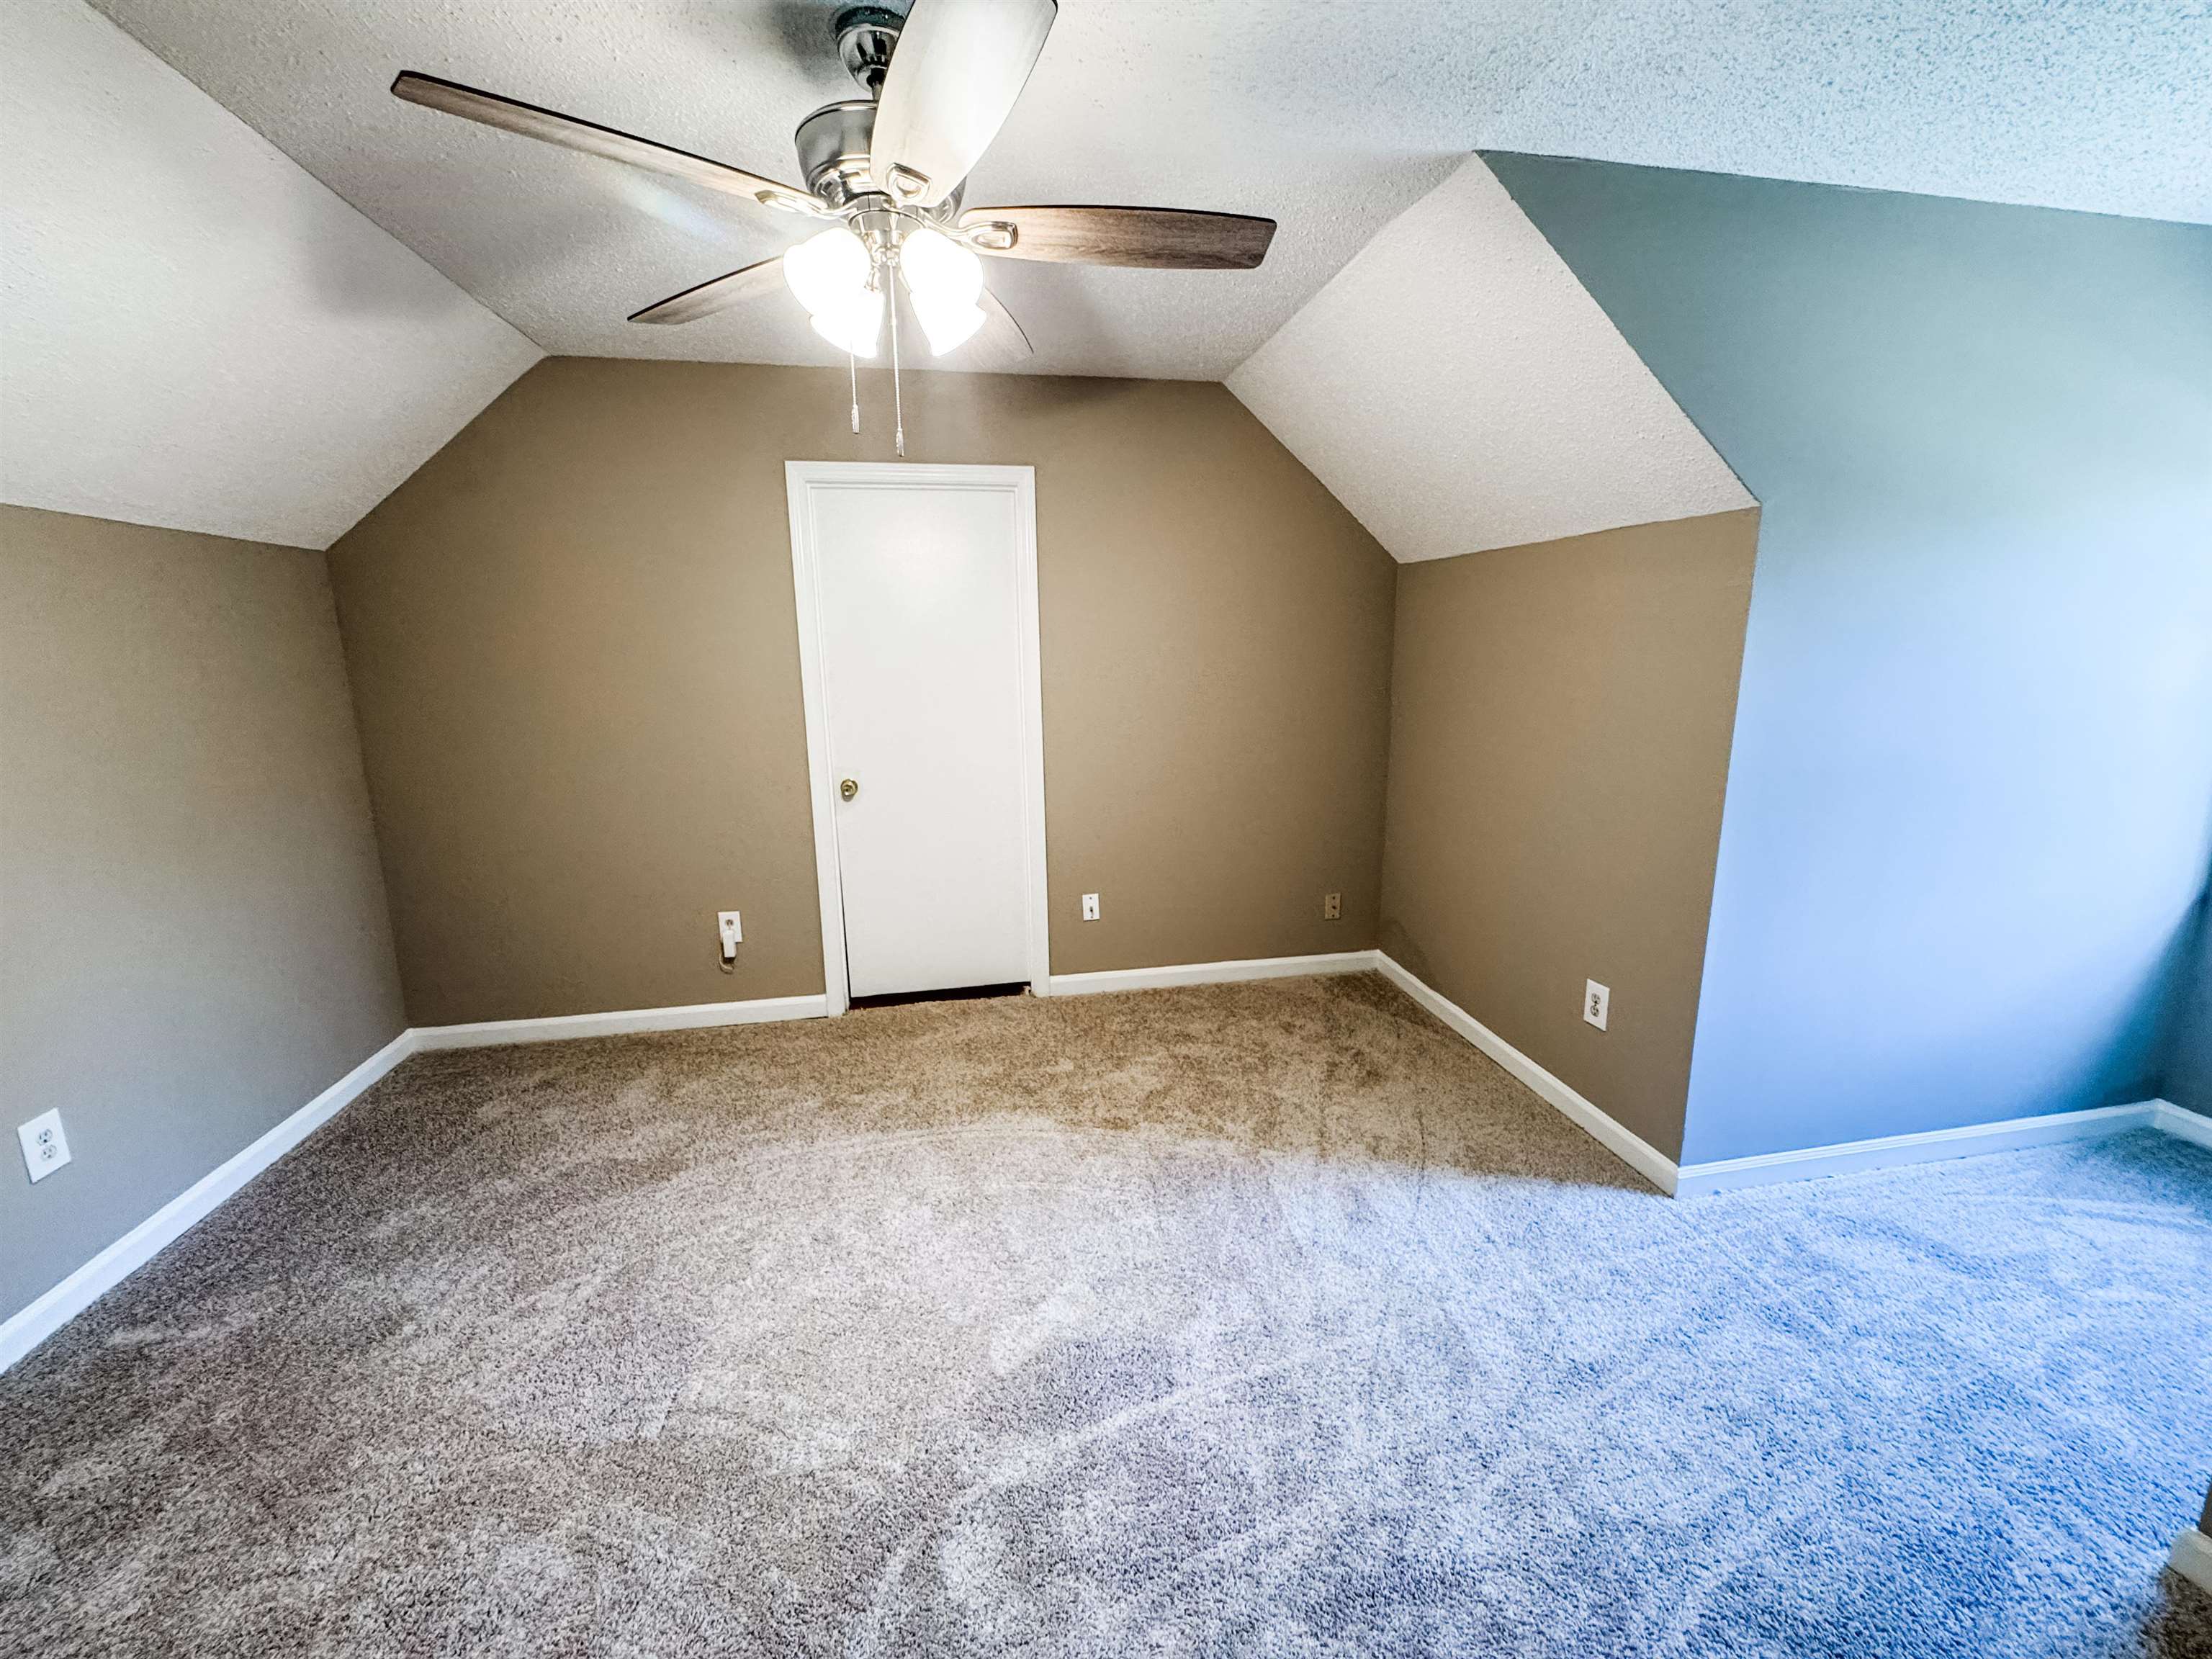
x: 885, y: 175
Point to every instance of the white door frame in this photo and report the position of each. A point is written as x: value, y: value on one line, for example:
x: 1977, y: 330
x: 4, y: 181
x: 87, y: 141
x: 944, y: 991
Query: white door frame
x: 800, y: 479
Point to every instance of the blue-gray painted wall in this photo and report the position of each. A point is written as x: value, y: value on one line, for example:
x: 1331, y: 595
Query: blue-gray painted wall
x: 1969, y: 810
x: 2187, y: 1078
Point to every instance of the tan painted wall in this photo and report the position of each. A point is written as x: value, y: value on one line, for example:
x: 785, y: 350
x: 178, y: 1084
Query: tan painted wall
x: 1561, y: 720
x: 575, y: 660
x: 196, y: 936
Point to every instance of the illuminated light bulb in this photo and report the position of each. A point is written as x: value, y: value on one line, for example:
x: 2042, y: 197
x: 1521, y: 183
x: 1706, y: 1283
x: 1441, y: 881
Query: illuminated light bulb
x: 830, y: 273
x: 826, y: 271
x: 938, y: 269
x: 854, y: 323
x: 943, y: 279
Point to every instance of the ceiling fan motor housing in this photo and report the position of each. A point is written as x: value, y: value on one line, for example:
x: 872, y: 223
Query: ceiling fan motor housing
x: 833, y: 145
x: 833, y: 150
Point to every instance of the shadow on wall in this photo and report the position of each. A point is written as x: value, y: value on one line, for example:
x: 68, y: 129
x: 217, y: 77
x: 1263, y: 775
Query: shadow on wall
x: 2188, y: 1069
x: 1402, y: 948
x: 196, y: 924
x: 1970, y: 801
x: 1559, y: 720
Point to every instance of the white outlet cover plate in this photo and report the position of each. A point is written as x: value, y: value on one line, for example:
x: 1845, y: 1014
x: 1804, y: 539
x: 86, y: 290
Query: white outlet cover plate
x: 1597, y: 1003
x: 45, y: 1148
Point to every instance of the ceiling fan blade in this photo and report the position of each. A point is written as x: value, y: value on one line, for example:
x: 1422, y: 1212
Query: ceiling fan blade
x: 1160, y: 239
x: 1001, y: 340
x: 570, y: 133
x: 958, y: 67
x: 717, y: 294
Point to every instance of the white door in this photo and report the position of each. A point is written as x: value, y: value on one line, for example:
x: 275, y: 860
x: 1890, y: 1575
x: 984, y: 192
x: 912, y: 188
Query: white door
x: 927, y: 702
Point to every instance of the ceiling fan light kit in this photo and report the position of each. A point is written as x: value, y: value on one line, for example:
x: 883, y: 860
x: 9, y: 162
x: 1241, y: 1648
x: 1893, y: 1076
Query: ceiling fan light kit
x: 886, y: 172
x: 834, y: 277
x: 942, y: 279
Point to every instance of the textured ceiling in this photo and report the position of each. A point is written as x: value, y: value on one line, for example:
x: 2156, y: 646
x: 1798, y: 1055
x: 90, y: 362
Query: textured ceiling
x: 2104, y: 106
x: 1458, y: 390
x: 1155, y: 104
x: 193, y: 332
x: 1330, y: 116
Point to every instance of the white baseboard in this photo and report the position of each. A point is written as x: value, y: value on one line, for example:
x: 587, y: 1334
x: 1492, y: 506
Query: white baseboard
x: 2192, y: 1559
x: 1936, y: 1145
x: 560, y: 1028
x: 1631, y: 1149
x: 2180, y: 1120
x: 1727, y: 1175
x: 24, y: 1331
x: 1213, y: 973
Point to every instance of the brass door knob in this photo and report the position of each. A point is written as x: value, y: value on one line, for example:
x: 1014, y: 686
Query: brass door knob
x: 849, y: 788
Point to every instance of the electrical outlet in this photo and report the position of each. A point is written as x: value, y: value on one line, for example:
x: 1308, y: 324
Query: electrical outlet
x: 1331, y: 907
x: 1597, y: 1000
x: 45, y: 1148
x: 733, y: 931
x: 1090, y: 907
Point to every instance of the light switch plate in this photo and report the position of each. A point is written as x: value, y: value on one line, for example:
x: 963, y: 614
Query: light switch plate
x: 1090, y: 907
x: 730, y: 926
x: 45, y: 1148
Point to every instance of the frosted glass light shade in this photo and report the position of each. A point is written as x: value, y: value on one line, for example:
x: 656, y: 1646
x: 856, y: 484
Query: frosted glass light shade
x: 854, y: 323
x: 829, y: 274
x: 825, y: 271
x: 948, y: 326
x: 943, y: 279
x: 940, y: 271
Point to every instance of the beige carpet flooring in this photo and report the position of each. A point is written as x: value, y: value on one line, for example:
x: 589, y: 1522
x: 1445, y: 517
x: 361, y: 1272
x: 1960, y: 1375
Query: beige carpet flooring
x: 1267, y: 1319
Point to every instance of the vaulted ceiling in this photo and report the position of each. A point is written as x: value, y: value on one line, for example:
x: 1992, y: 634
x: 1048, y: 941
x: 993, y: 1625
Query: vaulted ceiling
x: 1458, y: 390
x: 193, y: 332
x: 1331, y: 118
x: 199, y: 333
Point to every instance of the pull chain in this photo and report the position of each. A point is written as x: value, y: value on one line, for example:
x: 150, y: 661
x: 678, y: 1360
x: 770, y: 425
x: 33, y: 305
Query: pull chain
x: 853, y: 368
x: 898, y: 405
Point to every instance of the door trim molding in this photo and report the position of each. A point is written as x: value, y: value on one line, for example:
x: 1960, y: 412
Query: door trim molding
x: 801, y: 478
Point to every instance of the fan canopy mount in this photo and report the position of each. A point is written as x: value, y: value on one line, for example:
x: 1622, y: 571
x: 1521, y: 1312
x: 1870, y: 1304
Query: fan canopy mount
x: 866, y: 38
